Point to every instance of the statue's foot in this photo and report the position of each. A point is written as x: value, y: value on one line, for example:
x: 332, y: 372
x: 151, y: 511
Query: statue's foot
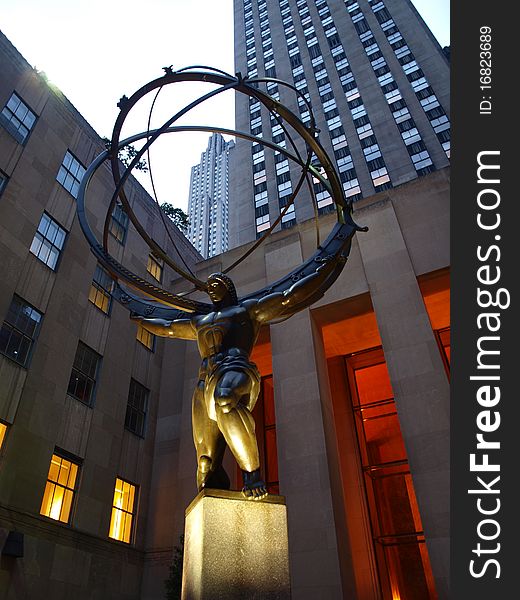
x: 255, y: 487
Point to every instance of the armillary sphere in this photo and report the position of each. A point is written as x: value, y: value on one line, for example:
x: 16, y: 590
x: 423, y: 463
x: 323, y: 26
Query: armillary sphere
x: 158, y: 301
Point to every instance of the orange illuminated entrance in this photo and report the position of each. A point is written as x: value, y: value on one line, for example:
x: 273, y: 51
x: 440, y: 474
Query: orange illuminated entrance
x: 397, y: 532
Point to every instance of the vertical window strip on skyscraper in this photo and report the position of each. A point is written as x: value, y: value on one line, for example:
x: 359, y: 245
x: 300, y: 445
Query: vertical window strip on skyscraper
x: 380, y: 177
x: 415, y: 146
x: 255, y: 121
x: 427, y: 98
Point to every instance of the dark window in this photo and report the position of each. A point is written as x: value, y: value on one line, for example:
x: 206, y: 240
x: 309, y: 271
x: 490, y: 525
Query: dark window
x: 425, y: 170
x: 417, y: 74
x: 436, y: 112
x: 334, y: 40
x: 361, y: 121
x: 3, y: 181
x: 354, y: 103
x: 48, y: 241
x: 361, y: 26
x: 406, y: 125
x: 416, y: 147
x: 135, y: 419
x: 383, y: 15
x: 119, y: 223
x: 314, y: 51
x: 326, y: 97
x: 71, y: 173
x: 19, y: 331
x: 283, y: 177
x: 341, y: 153
x: 368, y: 141
x: 377, y: 163
x: 349, y: 86
x: 347, y: 175
x: 397, y: 105
x: 261, y: 211
x: 425, y: 93
x: 444, y: 136
x: 389, y: 87
x: 296, y: 60
x: 381, y: 71
x: 17, y: 118
x: 83, y: 376
x: 404, y: 60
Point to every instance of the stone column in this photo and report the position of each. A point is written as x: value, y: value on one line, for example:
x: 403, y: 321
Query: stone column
x: 417, y: 374
x: 302, y: 457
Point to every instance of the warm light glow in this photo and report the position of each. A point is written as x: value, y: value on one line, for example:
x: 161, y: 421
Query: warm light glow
x: 59, y: 490
x: 3, y: 430
x: 99, y: 297
x: 145, y: 337
x: 122, y: 511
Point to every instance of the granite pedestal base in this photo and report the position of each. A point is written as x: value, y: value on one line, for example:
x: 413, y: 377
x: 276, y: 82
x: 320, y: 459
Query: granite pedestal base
x: 235, y: 549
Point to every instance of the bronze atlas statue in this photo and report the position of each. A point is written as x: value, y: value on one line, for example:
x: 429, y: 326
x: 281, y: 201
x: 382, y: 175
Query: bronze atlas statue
x: 227, y: 328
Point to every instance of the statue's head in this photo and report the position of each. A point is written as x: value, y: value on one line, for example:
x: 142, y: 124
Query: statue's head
x: 221, y: 289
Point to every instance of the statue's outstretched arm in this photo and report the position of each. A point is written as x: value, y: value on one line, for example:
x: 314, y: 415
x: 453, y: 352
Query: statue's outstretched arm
x: 181, y: 327
x: 300, y: 295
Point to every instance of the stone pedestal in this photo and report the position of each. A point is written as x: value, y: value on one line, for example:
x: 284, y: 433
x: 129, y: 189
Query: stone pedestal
x: 235, y: 549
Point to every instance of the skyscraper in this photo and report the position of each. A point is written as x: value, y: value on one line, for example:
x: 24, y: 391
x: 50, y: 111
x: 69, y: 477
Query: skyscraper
x: 208, y: 203
x: 378, y: 83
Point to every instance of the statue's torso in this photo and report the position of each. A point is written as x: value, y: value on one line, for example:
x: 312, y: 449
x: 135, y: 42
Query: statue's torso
x: 220, y: 331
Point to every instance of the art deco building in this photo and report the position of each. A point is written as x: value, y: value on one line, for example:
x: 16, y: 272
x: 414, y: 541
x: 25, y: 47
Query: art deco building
x: 208, y: 206
x: 378, y: 84
x: 97, y: 464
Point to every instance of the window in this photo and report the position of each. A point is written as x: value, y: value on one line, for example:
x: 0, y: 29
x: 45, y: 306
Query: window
x: 146, y: 338
x: 59, y: 489
x: 3, y: 431
x: 19, y: 331
x: 17, y: 118
x: 83, y: 376
x: 123, y: 510
x: 119, y: 223
x: 48, y: 241
x: 70, y: 174
x: 3, y: 181
x: 398, y: 536
x: 155, y: 267
x: 101, y: 289
x: 135, y: 419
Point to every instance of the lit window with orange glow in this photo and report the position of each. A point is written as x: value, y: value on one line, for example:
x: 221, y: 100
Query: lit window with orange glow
x: 155, y: 267
x: 123, y: 511
x: 60, y: 489
x: 146, y: 338
x: 3, y: 431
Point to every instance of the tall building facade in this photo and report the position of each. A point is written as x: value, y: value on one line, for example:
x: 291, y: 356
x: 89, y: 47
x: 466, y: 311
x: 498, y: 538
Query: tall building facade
x: 208, y: 206
x: 378, y: 84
